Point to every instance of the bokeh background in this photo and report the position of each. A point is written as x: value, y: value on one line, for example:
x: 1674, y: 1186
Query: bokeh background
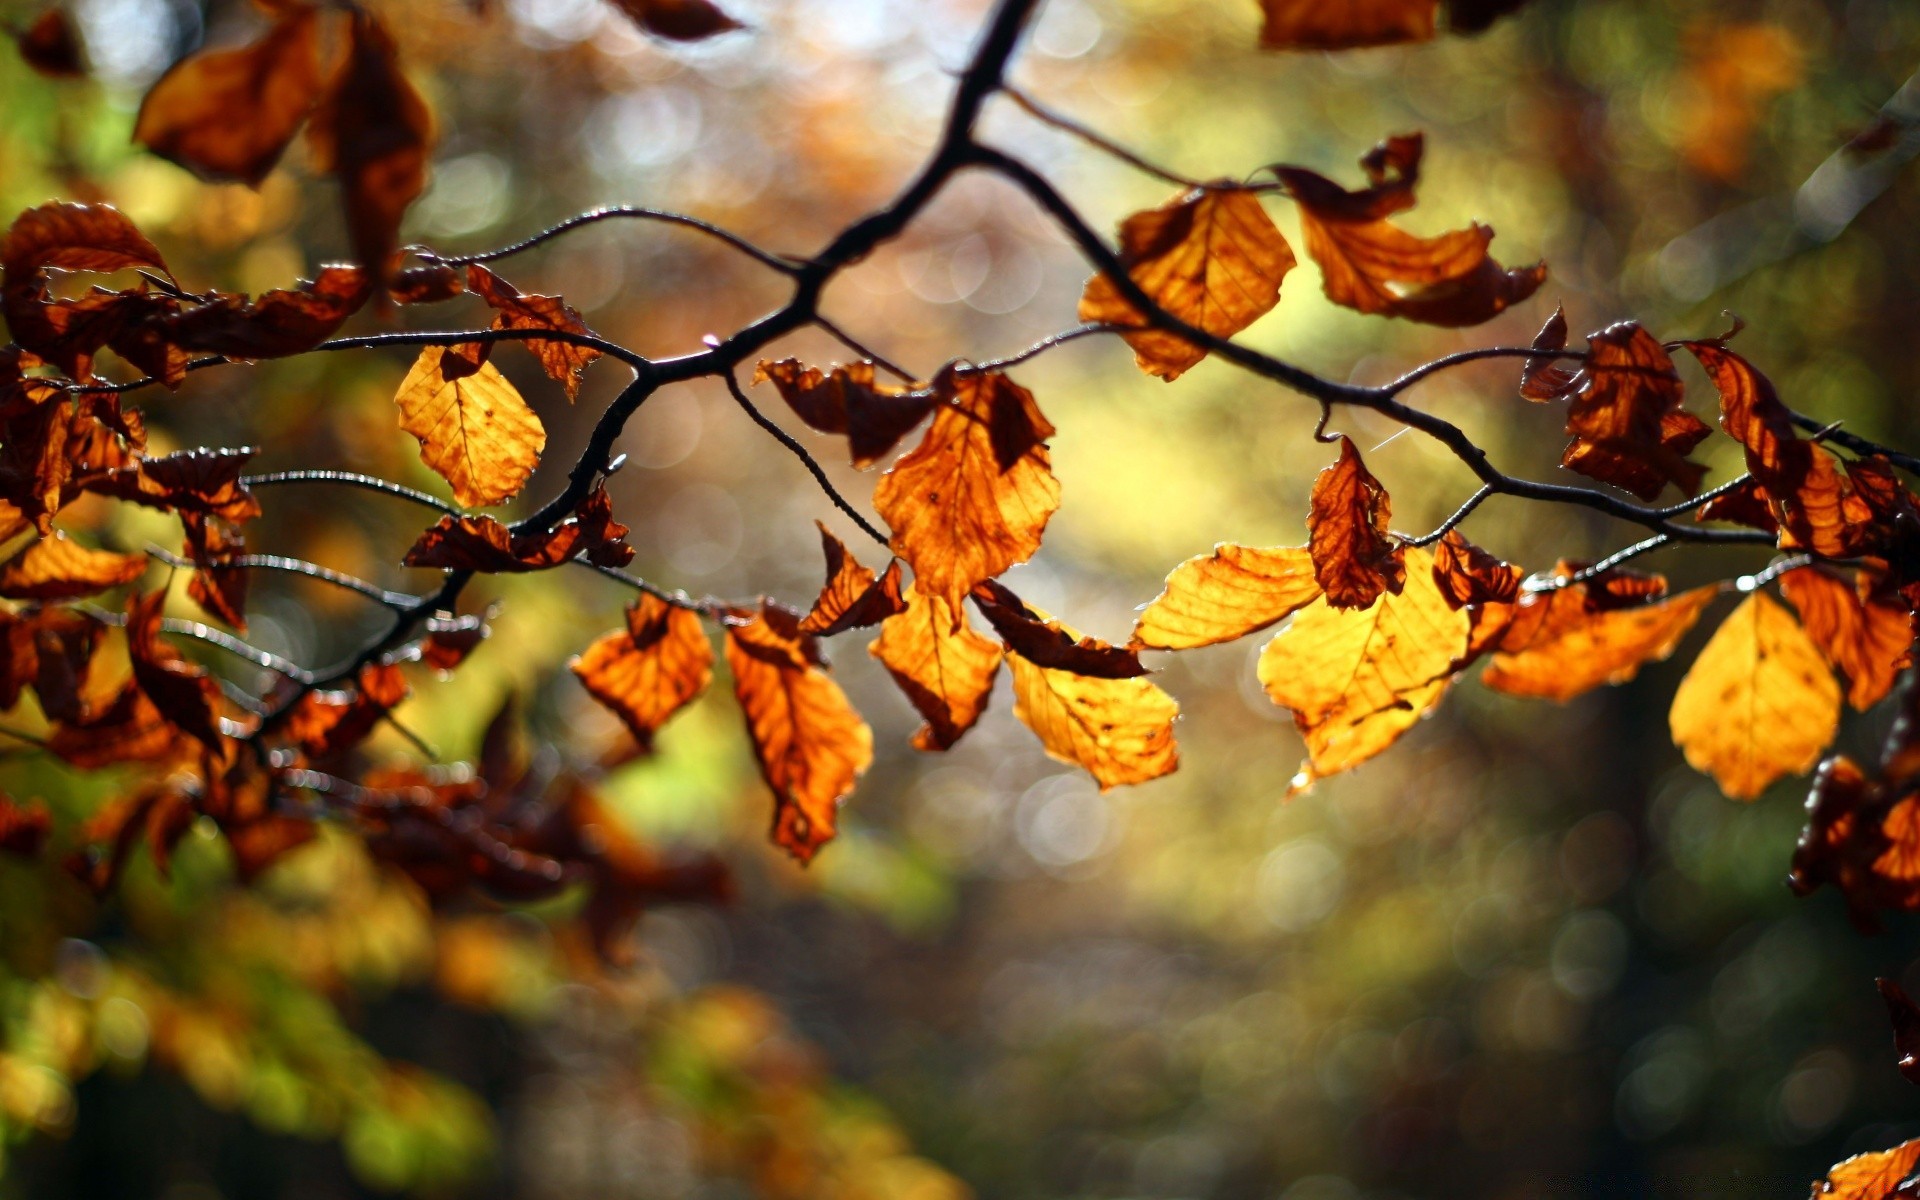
x: 1525, y: 953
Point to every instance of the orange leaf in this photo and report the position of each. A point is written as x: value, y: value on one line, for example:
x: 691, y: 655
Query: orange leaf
x: 277, y: 324
x: 852, y: 597
x: 1545, y: 379
x: 219, y: 588
x: 64, y: 236
x: 1627, y: 425
x: 475, y: 431
x: 484, y: 544
x: 185, y: 695
x: 1045, y: 642
x: 1230, y: 593
x: 1865, y: 630
x: 564, y: 362
x: 1760, y: 702
x: 1876, y: 1175
x: 1356, y: 679
x: 1354, y: 556
x: 1466, y: 574
x: 325, y: 724
x: 651, y: 670
x: 23, y: 828
x: 680, y: 20
x: 974, y: 497
x: 873, y: 416
x: 1119, y: 730
x: 229, y: 114
x: 943, y: 666
x: 204, y: 482
x: 1211, y: 257
x: 810, y: 742
x: 59, y: 568
x: 1560, y: 644
x: 373, y: 132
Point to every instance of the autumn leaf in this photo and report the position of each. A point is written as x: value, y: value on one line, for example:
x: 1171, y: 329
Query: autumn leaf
x: 51, y: 650
x: 64, y: 236
x: 183, y: 693
x: 1758, y: 703
x: 276, y: 324
x: 1211, y: 257
x: 325, y: 724
x: 59, y: 568
x: 810, y: 743
x: 217, y: 586
x: 1351, y: 24
x: 678, y: 20
x: 475, y: 431
x: 945, y: 669
x: 230, y: 114
x: 1045, y: 642
x: 1356, y: 679
x: 450, y: 640
x: 204, y: 482
x: 50, y: 46
x: 1228, y: 594
x: 852, y: 598
x: 649, y: 671
x: 1543, y: 378
x: 1627, y: 425
x: 1863, y: 835
x: 1560, y: 643
x: 372, y: 132
x: 1371, y: 265
x: 1864, y: 629
x: 1876, y: 1175
x: 974, y: 497
x: 564, y: 362
x: 1119, y: 730
x: 1354, y: 557
x: 484, y: 544
x: 847, y: 400
x: 1468, y: 575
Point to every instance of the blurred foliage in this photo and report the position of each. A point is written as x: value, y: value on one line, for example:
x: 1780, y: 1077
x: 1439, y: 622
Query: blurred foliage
x: 1526, y: 954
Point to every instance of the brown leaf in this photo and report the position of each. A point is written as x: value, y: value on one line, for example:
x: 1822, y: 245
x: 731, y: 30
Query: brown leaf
x: 183, y: 693
x: 943, y: 666
x: 846, y: 400
x: 35, y: 467
x: 974, y: 497
x: 810, y: 743
x: 428, y: 284
x: 679, y: 20
x: 1228, y: 594
x: 1758, y: 703
x: 450, y: 639
x: 50, y: 46
x: 275, y: 325
x: 1906, y: 1027
x: 23, y: 828
x: 1119, y: 730
x: 1744, y: 504
x: 230, y: 114
x: 1346, y: 24
x: 372, y: 132
x: 51, y: 649
x: 1627, y: 425
x: 1467, y: 575
x: 652, y: 669
x: 1354, y: 557
x: 1865, y: 629
x: 1356, y: 679
x: 1873, y: 1176
x: 217, y: 586
x: 326, y: 724
x: 129, y: 729
x: 59, y: 568
x: 203, y: 482
x: 1560, y: 644
x: 475, y: 431
x: 64, y: 236
x: 564, y: 362
x: 852, y: 597
x: 1372, y: 266
x: 484, y: 544
x: 1045, y: 642
x: 1545, y: 379
x: 1211, y: 257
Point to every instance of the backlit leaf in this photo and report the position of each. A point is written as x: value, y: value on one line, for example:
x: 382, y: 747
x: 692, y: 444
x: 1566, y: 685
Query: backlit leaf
x: 650, y: 670
x: 1466, y: 574
x: 475, y: 431
x: 205, y: 482
x: 1864, y: 629
x: 1211, y: 257
x: 1872, y: 1176
x: 1354, y: 557
x: 1119, y: 730
x: 1345, y: 24
x: 1760, y: 702
x: 1627, y: 425
x: 59, y: 568
x: 1228, y: 594
x: 564, y: 362
x: 483, y: 544
x: 943, y: 666
x: 853, y: 597
x: 220, y: 589
x: 1045, y: 642
x: 230, y: 114
x: 1560, y: 644
x: 275, y: 324
x: 182, y: 691
x: 329, y: 723
x: 847, y: 400
x: 973, y: 498
x: 811, y: 744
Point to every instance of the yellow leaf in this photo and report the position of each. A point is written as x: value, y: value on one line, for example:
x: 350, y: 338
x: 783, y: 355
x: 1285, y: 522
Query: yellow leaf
x: 1211, y: 257
x: 943, y: 666
x: 1120, y: 730
x: 474, y: 430
x: 1224, y: 595
x: 1356, y: 679
x: 1760, y: 701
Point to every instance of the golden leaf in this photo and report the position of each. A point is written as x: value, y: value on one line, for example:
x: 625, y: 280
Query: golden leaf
x: 650, y: 670
x: 1230, y: 593
x: 943, y: 666
x: 1871, y: 1176
x: 1760, y: 702
x: 1119, y: 730
x: 59, y: 568
x: 1557, y: 646
x: 475, y: 431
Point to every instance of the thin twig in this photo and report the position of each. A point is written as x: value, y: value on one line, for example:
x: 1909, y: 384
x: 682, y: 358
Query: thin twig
x: 767, y: 258
x: 1099, y: 141
x: 372, y: 483
x: 840, y: 335
x: 813, y: 466
x: 1459, y: 514
x: 1040, y: 347
x: 293, y: 566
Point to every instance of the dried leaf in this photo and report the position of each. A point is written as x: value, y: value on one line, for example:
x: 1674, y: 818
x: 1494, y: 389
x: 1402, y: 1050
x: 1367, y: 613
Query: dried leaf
x: 327, y: 724
x: 943, y: 666
x: 974, y: 497
x: 1865, y: 629
x: 1758, y: 703
x: 679, y: 20
x: 59, y: 568
x: 846, y: 400
x: 475, y: 431
x: 564, y: 362
x: 218, y: 587
x: 1356, y: 679
x: 277, y: 324
x: 652, y: 669
x: 183, y: 693
x: 1346, y: 24
x: 852, y: 597
x: 230, y: 114
x: 1354, y: 557
x: 1468, y: 575
x: 811, y: 744
x: 1119, y: 730
x: 373, y: 132
x: 203, y: 482
x: 1228, y: 594
x: 484, y: 544
x: 1211, y: 257
x: 1627, y: 425
x: 1873, y: 1176
x: 64, y: 236
x: 1045, y: 642
x: 1543, y: 378
x: 51, y: 46
x: 1560, y: 644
